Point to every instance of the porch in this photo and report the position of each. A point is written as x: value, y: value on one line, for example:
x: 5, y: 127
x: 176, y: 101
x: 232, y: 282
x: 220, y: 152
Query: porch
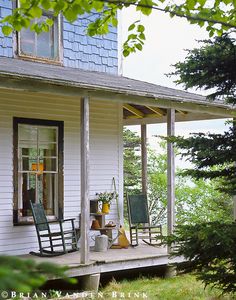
x: 113, y: 260
x: 94, y: 107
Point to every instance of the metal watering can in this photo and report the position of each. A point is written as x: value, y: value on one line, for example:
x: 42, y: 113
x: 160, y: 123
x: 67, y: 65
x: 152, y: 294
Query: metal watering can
x: 102, y: 243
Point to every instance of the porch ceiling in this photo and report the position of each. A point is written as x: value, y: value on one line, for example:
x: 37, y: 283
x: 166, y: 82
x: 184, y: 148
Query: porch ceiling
x: 142, y: 102
x: 138, y: 114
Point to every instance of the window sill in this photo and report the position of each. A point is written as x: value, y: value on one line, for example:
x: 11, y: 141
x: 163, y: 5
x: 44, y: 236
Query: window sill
x: 29, y: 220
x: 40, y: 60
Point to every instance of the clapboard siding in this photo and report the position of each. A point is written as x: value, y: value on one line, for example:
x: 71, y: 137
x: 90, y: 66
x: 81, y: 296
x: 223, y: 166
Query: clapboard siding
x: 105, y: 120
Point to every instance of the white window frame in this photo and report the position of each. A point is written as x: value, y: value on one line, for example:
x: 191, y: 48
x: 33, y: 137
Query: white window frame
x: 57, y: 60
x: 18, y: 219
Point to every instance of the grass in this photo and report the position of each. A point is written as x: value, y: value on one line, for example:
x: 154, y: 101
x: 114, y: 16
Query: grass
x: 184, y: 287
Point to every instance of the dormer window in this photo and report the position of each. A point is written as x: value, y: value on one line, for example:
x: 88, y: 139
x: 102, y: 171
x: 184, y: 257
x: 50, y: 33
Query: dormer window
x: 43, y: 46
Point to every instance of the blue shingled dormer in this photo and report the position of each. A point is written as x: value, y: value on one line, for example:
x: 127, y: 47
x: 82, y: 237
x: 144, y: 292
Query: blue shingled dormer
x: 75, y: 48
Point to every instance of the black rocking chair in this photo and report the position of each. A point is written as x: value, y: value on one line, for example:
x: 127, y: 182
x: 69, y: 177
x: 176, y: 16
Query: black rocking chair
x: 51, y: 242
x: 139, y: 222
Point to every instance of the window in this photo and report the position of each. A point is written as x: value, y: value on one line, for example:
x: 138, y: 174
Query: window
x: 38, y: 161
x: 44, y: 46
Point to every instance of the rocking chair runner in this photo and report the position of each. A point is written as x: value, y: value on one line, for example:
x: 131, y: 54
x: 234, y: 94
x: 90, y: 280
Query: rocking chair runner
x: 51, y: 242
x: 139, y: 222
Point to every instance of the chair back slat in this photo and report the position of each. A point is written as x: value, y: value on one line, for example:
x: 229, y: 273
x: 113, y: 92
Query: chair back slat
x: 39, y: 216
x: 138, y: 209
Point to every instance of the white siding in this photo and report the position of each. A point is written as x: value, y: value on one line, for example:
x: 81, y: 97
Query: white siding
x: 105, y: 160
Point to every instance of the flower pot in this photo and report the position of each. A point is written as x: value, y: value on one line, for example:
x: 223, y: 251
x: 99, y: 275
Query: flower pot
x: 105, y: 208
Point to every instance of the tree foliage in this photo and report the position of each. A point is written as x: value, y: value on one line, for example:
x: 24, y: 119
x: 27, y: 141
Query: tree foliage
x: 132, y: 161
x: 212, y: 66
x: 24, y: 275
x: 209, y: 249
x: 217, y: 16
x: 213, y: 156
x: 196, y: 200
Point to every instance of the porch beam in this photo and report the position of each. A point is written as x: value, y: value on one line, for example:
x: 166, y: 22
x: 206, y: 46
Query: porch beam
x: 50, y: 87
x: 133, y: 110
x: 182, y: 112
x: 144, y: 157
x: 157, y: 110
x: 170, y: 172
x: 84, y: 179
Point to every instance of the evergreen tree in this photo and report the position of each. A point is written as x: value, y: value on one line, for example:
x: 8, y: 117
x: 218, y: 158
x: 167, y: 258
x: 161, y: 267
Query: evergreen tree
x: 132, y: 161
x: 212, y: 66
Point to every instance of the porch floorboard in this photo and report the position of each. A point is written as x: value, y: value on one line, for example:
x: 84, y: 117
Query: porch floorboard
x: 113, y: 260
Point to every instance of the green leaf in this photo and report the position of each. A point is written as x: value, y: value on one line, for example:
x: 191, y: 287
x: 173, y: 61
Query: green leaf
x: 6, y: 30
x: 126, y: 53
x: 70, y: 14
x: 35, y: 12
x: 17, y: 25
x: 142, y: 36
x: 202, y: 2
x: 131, y: 27
x: 49, y: 22
x: 25, y: 23
x: 201, y: 23
x: 77, y: 9
x: 211, y: 33
x: 141, y: 28
x: 46, y: 4
x: 59, y: 6
x: 145, y: 6
x: 114, y: 22
x: 25, y: 4
x: 139, y: 47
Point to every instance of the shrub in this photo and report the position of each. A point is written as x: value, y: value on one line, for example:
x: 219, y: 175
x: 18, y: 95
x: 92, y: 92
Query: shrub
x: 210, y: 251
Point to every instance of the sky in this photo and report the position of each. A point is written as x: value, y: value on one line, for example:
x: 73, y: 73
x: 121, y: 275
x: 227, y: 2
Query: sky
x: 166, y: 41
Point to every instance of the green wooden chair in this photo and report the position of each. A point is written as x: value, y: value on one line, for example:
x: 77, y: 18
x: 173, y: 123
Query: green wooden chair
x: 53, y: 242
x: 139, y: 222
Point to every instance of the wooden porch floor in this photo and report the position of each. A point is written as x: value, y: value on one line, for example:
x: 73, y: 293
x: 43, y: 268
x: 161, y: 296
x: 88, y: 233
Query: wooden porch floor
x: 113, y: 260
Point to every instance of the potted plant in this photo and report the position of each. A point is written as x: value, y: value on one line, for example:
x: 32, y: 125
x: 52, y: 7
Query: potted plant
x: 106, y: 198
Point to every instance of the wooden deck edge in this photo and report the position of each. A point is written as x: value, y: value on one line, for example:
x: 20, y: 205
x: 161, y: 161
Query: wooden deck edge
x: 116, y: 266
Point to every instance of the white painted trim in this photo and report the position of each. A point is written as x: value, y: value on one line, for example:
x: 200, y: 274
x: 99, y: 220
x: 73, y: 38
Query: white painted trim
x: 84, y: 179
x: 144, y: 157
x: 121, y: 165
x: 170, y: 172
x: 119, y: 41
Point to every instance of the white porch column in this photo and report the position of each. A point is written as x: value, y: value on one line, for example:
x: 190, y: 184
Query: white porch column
x: 84, y: 174
x: 144, y: 157
x: 170, y: 172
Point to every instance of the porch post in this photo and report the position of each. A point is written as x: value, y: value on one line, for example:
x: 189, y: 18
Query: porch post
x: 234, y: 206
x: 170, y: 172
x: 84, y: 180
x: 144, y: 157
x: 234, y: 196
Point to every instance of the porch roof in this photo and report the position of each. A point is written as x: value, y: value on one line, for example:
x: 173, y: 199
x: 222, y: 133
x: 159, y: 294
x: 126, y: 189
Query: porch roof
x: 141, y: 99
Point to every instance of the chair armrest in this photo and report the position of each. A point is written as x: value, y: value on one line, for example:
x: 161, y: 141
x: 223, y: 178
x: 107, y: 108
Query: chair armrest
x: 149, y: 227
x: 41, y: 223
x: 65, y: 220
x: 58, y: 221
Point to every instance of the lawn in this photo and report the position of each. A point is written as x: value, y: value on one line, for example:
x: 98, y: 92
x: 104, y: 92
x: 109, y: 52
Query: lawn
x: 184, y: 287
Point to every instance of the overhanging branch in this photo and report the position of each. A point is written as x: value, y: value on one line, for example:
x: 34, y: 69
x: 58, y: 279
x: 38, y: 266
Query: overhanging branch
x: 178, y: 14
